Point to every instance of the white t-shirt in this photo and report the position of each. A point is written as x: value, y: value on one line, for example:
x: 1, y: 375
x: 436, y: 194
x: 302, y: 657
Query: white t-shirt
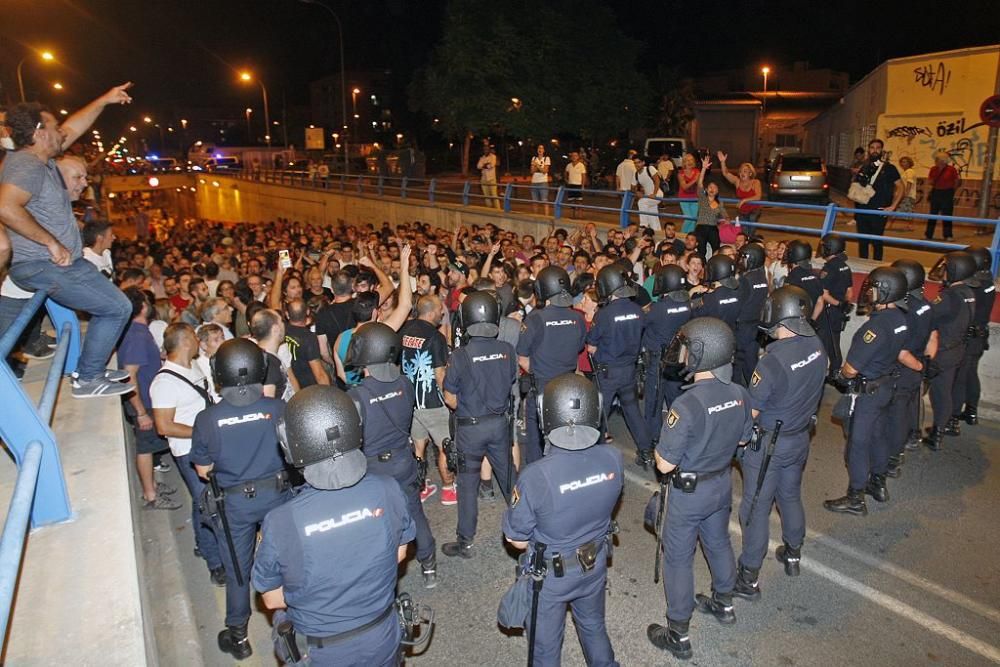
x: 102, y: 261
x: 488, y: 166
x: 157, y: 327
x: 645, y: 178
x: 575, y: 172
x: 626, y: 174
x: 204, y: 365
x: 540, y: 163
x: 167, y: 391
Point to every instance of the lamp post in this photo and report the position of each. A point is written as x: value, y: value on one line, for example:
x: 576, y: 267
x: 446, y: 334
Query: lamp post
x: 46, y: 56
x: 343, y: 77
x: 249, y: 131
x: 247, y: 77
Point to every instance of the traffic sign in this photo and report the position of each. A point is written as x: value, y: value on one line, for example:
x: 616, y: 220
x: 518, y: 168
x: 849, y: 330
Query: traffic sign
x: 989, y: 111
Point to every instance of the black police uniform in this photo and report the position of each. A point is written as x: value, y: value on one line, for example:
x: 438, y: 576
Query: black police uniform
x: 905, y: 406
x: 480, y: 375
x: 700, y: 435
x: 952, y: 314
x: 334, y: 555
x: 617, y: 335
x: 786, y: 385
x: 386, y: 410
x: 662, y: 322
x: 721, y: 302
x: 873, y: 353
x: 753, y: 294
x: 565, y: 502
x: 242, y: 446
x: 552, y: 338
x: 967, y: 386
x: 836, y: 278
x: 806, y: 278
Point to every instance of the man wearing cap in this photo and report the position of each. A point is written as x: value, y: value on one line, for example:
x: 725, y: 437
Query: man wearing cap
x: 458, y: 279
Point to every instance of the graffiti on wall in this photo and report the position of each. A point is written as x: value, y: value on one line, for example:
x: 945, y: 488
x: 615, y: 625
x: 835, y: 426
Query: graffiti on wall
x: 908, y: 132
x: 933, y: 76
x: 920, y: 137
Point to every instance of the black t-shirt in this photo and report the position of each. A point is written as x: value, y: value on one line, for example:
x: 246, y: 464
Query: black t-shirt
x: 424, y: 349
x: 275, y: 375
x: 304, y: 347
x: 333, y: 319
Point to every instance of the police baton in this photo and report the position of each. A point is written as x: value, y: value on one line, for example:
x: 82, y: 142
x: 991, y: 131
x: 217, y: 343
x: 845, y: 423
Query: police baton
x: 659, y: 528
x: 220, y: 508
x: 768, y: 453
x: 512, y: 435
x: 537, y: 571
x: 597, y: 383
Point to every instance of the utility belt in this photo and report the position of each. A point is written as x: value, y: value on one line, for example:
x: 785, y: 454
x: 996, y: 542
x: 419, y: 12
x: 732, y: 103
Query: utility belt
x: 583, y: 557
x: 871, y: 386
x: 471, y: 421
x: 279, y: 482
x: 977, y: 331
x: 765, y: 432
x: 687, y: 482
x: 330, y: 640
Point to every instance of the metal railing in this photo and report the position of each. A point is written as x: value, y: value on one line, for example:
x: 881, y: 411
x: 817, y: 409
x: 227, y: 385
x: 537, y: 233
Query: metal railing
x: 40, y: 491
x: 620, y: 206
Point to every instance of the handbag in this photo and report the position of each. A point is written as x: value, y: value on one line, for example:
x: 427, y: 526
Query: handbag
x: 862, y: 194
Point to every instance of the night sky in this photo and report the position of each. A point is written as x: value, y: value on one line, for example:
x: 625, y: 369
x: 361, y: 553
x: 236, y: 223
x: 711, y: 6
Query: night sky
x: 185, y: 53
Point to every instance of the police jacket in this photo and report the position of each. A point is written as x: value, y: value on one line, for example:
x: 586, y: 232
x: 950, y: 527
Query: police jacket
x: 662, y: 322
x: 552, y: 338
x: 836, y: 277
x: 876, y: 344
x: 617, y: 333
x: 241, y: 443
x: 386, y: 410
x: 753, y: 294
x: 953, y: 311
x: 806, y: 278
x: 481, y: 375
x: 722, y: 302
x: 788, y: 383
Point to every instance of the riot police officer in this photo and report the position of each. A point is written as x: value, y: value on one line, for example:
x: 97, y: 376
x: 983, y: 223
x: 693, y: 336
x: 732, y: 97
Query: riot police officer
x: 905, y: 406
x: 701, y: 432
x: 753, y: 293
x: 328, y: 558
x: 967, y: 387
x: 785, y: 391
x: 385, y: 402
x: 798, y: 257
x: 614, y: 340
x: 869, y: 376
x: 552, y: 337
x: 837, y: 281
x: 477, y: 387
x: 951, y: 315
x: 562, y: 507
x: 665, y: 317
x: 234, y: 446
x: 723, y: 300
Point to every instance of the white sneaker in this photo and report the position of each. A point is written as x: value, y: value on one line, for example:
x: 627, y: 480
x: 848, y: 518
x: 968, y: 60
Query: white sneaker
x: 99, y: 387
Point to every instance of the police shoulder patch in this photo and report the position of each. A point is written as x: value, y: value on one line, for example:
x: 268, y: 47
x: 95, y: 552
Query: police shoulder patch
x: 515, y: 497
x: 870, y: 336
x: 756, y: 378
x: 672, y: 418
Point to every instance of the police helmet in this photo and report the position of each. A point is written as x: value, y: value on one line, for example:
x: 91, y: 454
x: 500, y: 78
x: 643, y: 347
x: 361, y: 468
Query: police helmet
x: 571, y: 412
x: 883, y: 285
x: 375, y: 346
x: 481, y: 314
x: 914, y: 272
x: 671, y: 281
x: 798, y: 252
x: 321, y: 431
x: 952, y: 267
x: 789, y: 306
x: 832, y: 244
x: 703, y: 344
x: 984, y: 268
x: 613, y: 280
x: 721, y: 269
x: 239, y: 368
x: 751, y: 257
x: 553, y: 284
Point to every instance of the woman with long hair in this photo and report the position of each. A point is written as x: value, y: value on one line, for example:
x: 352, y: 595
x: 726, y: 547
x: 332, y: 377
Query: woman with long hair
x: 711, y: 213
x: 687, y: 190
x: 748, y: 189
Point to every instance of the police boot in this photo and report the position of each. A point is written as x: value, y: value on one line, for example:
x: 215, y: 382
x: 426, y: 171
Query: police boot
x: 895, y: 466
x: 952, y: 427
x: 459, y: 548
x: 914, y: 440
x: 969, y: 415
x: 672, y: 637
x: 877, y: 489
x: 934, y: 439
x: 644, y: 458
x: 719, y: 605
x: 852, y: 503
x: 429, y: 570
x: 233, y: 640
x: 790, y: 557
x: 747, y: 586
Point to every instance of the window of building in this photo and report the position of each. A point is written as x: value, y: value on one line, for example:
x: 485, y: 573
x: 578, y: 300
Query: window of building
x: 786, y: 140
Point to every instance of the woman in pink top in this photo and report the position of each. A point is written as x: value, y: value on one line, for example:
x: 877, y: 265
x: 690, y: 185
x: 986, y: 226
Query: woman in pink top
x: 687, y: 189
x: 748, y: 189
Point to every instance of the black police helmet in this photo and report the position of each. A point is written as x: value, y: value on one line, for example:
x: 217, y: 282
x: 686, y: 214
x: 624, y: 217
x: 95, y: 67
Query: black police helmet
x: 798, y: 252
x: 553, y: 284
x: 789, y: 306
x: 613, y: 280
x: 914, y: 272
x: 703, y: 344
x: 832, y: 244
x: 751, y: 257
x: 952, y: 267
x: 321, y: 431
x: 982, y: 257
x: 375, y: 346
x: 883, y: 285
x: 571, y: 412
x: 239, y: 368
x: 721, y: 269
x: 672, y: 282
x: 481, y: 314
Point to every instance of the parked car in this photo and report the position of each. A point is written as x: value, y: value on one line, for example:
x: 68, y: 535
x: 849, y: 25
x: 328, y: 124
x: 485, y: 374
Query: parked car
x: 772, y: 157
x: 675, y: 147
x: 799, y: 176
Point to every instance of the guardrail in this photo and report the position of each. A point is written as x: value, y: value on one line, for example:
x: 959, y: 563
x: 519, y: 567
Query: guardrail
x: 620, y: 204
x: 40, y: 491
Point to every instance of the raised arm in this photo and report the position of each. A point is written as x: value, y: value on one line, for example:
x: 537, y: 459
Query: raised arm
x: 725, y: 172
x: 397, y: 318
x: 79, y: 122
x: 706, y: 162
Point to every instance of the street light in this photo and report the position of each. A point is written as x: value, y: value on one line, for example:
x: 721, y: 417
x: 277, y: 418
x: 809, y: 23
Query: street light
x: 765, y: 71
x: 343, y: 77
x: 57, y: 86
x: 147, y: 120
x: 249, y: 132
x: 247, y: 77
x: 46, y: 56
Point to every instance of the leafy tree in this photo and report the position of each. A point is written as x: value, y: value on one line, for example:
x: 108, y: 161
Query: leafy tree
x: 674, y: 100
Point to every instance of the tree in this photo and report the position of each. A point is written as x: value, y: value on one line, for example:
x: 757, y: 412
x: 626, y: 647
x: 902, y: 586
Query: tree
x: 675, y: 98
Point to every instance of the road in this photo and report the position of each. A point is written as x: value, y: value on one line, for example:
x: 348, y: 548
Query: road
x: 914, y: 583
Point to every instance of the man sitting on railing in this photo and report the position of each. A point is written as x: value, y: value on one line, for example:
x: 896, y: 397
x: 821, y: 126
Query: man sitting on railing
x: 35, y: 208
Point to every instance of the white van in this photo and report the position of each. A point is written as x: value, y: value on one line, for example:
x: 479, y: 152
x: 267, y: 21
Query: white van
x: 675, y: 147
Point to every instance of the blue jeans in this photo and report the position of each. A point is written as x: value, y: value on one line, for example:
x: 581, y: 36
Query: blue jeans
x: 204, y: 536
x: 80, y: 286
x: 540, y: 192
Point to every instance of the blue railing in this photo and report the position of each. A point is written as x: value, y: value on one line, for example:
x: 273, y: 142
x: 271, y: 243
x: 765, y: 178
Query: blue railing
x: 620, y: 206
x: 40, y: 491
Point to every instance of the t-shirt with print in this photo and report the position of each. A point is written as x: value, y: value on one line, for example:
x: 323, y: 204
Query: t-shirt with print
x: 304, y: 347
x: 424, y: 349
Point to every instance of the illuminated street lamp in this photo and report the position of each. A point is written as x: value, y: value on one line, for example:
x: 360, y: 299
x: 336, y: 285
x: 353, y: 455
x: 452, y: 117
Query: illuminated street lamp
x: 46, y: 56
x: 57, y: 86
x: 249, y: 133
x: 765, y: 71
x: 247, y: 77
x: 147, y: 120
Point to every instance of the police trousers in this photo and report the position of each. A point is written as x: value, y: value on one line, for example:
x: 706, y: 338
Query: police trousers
x: 829, y: 326
x: 620, y: 381
x: 783, y: 485
x: 868, y: 445
x: 659, y: 393
x: 402, y: 467
x: 584, y: 593
x: 904, y: 410
x: 245, y: 516
x: 376, y: 647
x: 690, y: 517
x: 943, y: 385
x: 747, y: 352
x: 967, y: 387
x: 489, y: 439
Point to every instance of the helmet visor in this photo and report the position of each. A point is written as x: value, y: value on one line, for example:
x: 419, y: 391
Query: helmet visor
x: 673, y: 363
x: 867, y: 297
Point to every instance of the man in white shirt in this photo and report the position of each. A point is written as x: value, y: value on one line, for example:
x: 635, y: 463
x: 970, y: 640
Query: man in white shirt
x: 625, y: 173
x: 210, y: 337
x: 648, y: 179
x: 178, y: 393
x: 576, y: 179
x: 540, y: 166
x: 97, y: 238
x: 487, y: 166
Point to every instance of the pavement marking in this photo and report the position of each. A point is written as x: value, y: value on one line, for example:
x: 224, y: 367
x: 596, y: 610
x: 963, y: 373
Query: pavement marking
x: 887, y: 602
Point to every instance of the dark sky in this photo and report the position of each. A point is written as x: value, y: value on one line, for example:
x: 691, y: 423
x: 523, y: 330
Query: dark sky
x: 183, y: 53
